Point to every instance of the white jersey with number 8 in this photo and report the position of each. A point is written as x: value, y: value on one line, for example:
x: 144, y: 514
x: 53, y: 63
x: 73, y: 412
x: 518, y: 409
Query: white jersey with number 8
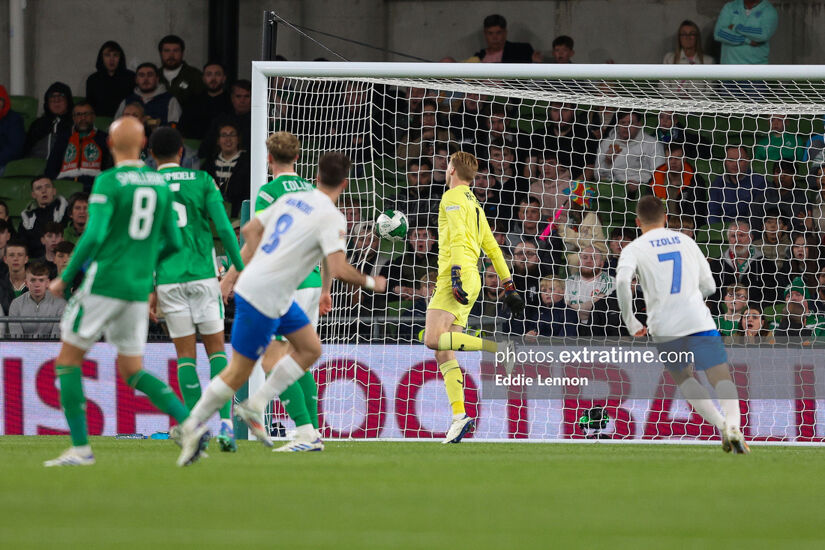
x: 300, y: 229
x: 675, y: 278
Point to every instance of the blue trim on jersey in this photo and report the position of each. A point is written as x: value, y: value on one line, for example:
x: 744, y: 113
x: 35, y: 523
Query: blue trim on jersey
x: 252, y: 330
x: 707, y: 347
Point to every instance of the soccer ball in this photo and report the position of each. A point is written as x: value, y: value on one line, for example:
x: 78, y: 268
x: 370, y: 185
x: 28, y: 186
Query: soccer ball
x: 392, y: 225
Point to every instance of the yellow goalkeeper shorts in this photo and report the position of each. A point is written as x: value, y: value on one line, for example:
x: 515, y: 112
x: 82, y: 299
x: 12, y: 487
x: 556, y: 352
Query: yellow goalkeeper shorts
x: 443, y: 298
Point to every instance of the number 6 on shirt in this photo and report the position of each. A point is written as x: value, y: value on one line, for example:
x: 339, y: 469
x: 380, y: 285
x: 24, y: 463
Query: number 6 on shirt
x: 676, y: 258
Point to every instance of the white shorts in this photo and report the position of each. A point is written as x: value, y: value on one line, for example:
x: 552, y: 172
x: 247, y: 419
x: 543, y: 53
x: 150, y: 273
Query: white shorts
x: 88, y: 316
x: 308, y: 299
x: 192, y: 304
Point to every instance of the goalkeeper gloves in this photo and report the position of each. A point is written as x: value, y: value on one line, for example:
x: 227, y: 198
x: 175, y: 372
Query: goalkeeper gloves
x: 513, y: 300
x: 458, y: 292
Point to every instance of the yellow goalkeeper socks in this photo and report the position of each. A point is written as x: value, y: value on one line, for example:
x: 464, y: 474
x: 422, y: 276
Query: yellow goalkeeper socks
x: 458, y: 341
x: 454, y: 382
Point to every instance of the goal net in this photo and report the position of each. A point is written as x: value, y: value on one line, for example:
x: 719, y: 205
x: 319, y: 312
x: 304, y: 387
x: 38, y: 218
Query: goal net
x: 564, y: 155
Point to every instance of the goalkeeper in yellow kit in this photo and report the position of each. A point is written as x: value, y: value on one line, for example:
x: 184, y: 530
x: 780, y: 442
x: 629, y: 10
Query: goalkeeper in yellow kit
x: 463, y: 232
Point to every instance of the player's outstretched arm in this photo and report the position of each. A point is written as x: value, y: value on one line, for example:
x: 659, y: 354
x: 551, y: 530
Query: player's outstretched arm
x: 225, y: 232
x: 340, y: 269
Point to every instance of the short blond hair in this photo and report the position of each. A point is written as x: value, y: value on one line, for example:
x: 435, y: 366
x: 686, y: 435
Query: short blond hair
x: 554, y: 282
x: 283, y: 147
x: 465, y: 165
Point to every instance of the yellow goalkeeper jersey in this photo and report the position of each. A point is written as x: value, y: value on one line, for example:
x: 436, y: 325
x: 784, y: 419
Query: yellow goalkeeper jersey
x: 463, y: 232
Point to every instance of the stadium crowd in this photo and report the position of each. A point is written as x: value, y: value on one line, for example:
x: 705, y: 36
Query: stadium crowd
x: 559, y: 196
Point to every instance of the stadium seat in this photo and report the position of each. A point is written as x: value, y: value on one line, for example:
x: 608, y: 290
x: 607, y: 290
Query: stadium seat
x: 28, y: 167
x: 15, y: 188
x: 193, y: 144
x: 68, y: 187
x: 26, y: 106
x: 103, y: 123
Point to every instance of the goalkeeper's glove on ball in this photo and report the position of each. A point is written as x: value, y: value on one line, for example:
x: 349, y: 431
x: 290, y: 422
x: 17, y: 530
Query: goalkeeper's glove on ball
x: 458, y: 292
x: 513, y: 300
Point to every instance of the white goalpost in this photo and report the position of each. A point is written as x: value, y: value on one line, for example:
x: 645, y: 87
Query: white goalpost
x: 565, y: 151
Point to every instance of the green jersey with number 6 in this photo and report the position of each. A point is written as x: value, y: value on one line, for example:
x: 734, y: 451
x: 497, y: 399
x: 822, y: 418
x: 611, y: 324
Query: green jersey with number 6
x: 196, y: 199
x: 275, y: 189
x: 130, y: 219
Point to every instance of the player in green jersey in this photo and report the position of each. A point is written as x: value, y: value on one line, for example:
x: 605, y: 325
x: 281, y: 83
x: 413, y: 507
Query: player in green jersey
x: 188, y: 293
x: 301, y: 399
x: 131, y: 226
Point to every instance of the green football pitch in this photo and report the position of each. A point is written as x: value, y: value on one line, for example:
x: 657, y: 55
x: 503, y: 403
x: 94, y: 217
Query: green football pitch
x: 413, y: 495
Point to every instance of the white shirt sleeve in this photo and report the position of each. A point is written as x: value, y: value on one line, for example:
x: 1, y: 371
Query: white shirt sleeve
x: 332, y: 236
x: 707, y: 285
x: 624, y: 275
x: 266, y: 215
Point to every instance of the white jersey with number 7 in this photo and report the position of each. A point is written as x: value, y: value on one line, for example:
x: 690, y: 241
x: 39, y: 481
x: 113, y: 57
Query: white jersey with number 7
x: 675, y: 278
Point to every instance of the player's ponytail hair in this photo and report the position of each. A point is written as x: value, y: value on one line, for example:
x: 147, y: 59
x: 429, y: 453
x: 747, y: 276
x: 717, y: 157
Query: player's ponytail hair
x: 465, y: 165
x: 283, y: 146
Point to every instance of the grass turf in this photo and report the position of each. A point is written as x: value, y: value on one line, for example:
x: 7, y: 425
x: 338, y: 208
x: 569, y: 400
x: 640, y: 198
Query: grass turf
x: 412, y: 495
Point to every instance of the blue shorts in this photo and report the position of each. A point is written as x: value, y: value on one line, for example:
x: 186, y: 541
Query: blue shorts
x: 706, y: 347
x: 252, y: 330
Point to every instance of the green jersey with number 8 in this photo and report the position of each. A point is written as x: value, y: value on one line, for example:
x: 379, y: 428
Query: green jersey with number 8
x: 196, y: 199
x: 130, y: 210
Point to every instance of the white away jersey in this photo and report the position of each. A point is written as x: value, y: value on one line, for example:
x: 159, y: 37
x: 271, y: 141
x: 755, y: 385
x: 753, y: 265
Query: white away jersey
x: 300, y: 229
x: 675, y: 278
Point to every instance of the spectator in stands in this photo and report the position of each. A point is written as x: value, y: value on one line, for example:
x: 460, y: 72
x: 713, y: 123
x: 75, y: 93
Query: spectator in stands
x: 46, y: 206
x: 601, y: 120
x: 816, y: 183
x: 56, y: 119
x: 683, y: 224
x: 425, y: 131
x: 52, y: 236
x: 563, y: 51
x: 567, y: 138
x: 490, y: 304
x: 363, y: 252
x: 629, y: 154
x: 420, y: 257
x: 12, y: 132
x: 688, y: 47
x: 798, y: 319
x: 671, y: 130
x: 589, y: 285
x: 741, y: 264
x: 734, y: 304
x: 82, y: 153
x: 5, y: 236
x: 62, y: 255
x: 606, y: 319
x: 814, y: 149
x: 16, y: 258
x: 775, y: 244
x: 744, y: 28
x: 732, y: 193
x: 502, y: 132
x: 467, y: 121
x: 207, y: 105
x: 528, y: 228
x: 78, y: 213
x: 111, y: 82
x: 240, y: 96
x: 182, y: 80
x: 754, y: 329
x: 819, y: 299
x: 577, y: 225
x: 804, y: 260
x: 779, y: 144
x: 783, y: 192
x: 499, y: 49
x: 441, y: 158
x: 527, y: 271
x: 486, y: 191
x: 4, y: 214
x: 351, y: 208
x: 620, y: 237
x: 424, y: 288
x: 548, y: 187
x: 501, y: 161
x: 160, y: 106
x: 420, y: 197
x: 676, y: 183
x: 37, y: 302
x: 555, y: 317
x: 230, y: 167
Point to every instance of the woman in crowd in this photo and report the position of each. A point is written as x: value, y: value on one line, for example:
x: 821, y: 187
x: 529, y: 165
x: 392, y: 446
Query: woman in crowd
x: 230, y: 167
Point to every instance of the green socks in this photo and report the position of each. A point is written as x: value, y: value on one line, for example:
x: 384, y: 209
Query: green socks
x: 310, y: 388
x: 159, y: 394
x: 73, y: 402
x: 190, y: 386
x: 217, y: 362
x: 294, y: 402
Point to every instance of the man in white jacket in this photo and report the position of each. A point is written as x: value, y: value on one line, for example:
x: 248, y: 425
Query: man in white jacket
x: 628, y: 155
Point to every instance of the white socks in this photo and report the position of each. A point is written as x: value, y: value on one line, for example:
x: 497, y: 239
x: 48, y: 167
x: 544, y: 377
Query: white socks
x: 306, y: 433
x: 699, y: 398
x: 285, y: 373
x: 729, y: 401
x: 217, y: 393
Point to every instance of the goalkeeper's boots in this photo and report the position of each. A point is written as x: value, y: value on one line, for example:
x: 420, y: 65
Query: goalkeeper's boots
x: 226, y: 438
x: 72, y: 457
x: 459, y: 428
x: 736, y: 441
x: 301, y: 446
x: 192, y: 443
x: 252, y: 419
